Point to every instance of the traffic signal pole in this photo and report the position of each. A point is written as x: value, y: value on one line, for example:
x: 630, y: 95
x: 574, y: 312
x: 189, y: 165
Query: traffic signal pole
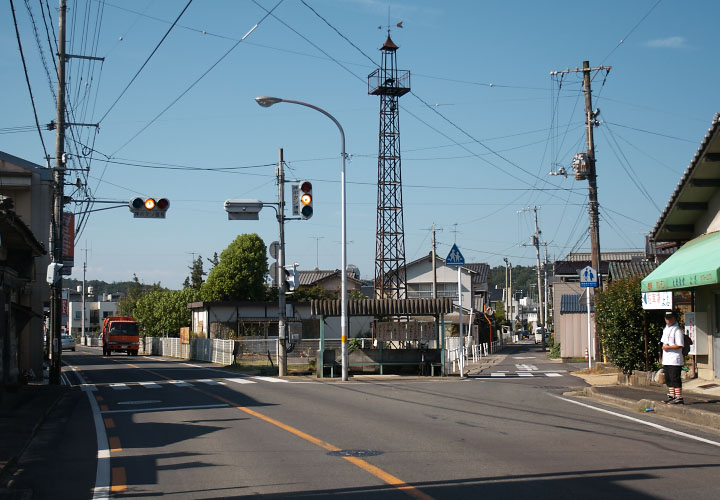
x: 282, y: 282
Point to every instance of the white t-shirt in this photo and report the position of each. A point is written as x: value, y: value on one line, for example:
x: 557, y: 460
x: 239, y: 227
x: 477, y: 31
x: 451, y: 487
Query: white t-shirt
x: 672, y: 335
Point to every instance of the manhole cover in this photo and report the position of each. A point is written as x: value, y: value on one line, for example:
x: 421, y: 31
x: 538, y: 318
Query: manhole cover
x: 355, y: 453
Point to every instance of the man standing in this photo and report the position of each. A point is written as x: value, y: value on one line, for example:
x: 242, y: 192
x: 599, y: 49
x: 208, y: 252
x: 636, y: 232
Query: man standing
x: 672, y: 359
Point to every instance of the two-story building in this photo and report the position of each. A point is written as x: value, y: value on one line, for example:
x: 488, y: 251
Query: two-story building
x: 29, y: 186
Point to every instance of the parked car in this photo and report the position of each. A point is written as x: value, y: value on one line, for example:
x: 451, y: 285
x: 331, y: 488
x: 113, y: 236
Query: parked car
x: 68, y: 342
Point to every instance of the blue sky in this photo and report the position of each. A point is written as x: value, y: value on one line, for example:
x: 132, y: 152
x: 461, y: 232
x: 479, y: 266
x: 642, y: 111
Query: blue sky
x: 481, y: 151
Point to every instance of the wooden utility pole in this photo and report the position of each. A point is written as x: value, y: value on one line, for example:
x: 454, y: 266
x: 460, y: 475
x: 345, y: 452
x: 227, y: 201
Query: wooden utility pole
x: 589, y: 172
x: 57, y: 232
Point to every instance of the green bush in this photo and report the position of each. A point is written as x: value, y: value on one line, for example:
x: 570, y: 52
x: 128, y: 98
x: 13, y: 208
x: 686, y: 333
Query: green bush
x: 619, y: 313
x: 554, y: 350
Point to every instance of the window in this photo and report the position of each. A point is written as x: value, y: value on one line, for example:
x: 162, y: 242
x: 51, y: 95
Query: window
x: 106, y: 314
x: 78, y: 314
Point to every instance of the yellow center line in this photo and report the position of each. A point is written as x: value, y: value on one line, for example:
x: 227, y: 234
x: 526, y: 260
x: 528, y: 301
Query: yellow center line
x: 119, y: 480
x: 386, y: 477
x: 114, y: 443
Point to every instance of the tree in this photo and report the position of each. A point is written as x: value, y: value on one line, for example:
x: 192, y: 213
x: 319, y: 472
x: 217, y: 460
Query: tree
x: 165, y: 311
x: 619, y: 313
x: 126, y: 305
x: 197, y: 273
x: 213, y: 261
x: 240, y: 272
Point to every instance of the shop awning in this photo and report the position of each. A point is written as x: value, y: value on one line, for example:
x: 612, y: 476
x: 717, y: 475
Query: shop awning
x: 696, y: 263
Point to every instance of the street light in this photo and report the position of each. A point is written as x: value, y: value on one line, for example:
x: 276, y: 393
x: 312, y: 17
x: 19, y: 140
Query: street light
x: 266, y: 102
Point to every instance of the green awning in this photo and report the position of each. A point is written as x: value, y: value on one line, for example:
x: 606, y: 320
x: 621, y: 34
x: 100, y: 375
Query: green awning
x: 696, y: 263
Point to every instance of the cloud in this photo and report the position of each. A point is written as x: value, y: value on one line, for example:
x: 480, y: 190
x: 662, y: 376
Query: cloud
x: 672, y: 42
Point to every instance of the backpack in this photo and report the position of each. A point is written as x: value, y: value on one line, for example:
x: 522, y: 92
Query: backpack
x: 687, y: 342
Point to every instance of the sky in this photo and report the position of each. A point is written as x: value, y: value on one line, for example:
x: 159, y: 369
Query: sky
x: 483, y: 125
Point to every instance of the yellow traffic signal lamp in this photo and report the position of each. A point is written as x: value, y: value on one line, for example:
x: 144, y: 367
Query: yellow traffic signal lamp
x: 305, y: 201
x: 149, y: 208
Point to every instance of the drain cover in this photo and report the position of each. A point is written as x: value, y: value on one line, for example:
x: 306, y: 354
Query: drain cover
x: 355, y: 453
x: 709, y: 386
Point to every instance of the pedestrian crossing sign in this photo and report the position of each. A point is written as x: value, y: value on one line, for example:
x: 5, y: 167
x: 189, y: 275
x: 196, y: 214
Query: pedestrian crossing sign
x: 455, y: 258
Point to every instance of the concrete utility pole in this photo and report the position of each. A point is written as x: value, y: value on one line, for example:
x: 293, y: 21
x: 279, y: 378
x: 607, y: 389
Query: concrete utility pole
x: 547, y: 286
x: 282, y: 283
x: 507, y: 302
x: 56, y: 243
x: 82, y: 315
x: 536, y: 241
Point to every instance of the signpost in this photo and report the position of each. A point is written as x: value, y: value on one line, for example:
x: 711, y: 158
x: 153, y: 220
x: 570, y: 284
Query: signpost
x: 589, y: 279
x: 455, y: 258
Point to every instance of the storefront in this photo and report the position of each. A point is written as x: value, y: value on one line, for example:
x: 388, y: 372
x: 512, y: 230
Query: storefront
x: 695, y: 267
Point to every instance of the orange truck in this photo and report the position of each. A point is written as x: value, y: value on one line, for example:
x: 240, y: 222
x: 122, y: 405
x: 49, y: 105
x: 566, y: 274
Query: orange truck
x: 120, y: 334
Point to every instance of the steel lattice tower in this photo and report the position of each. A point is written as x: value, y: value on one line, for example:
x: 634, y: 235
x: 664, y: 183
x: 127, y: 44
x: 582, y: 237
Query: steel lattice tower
x: 389, y: 83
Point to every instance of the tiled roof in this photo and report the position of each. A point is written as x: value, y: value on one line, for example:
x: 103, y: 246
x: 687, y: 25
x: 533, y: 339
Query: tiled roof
x: 316, y: 275
x: 621, y: 270
x: 714, y: 128
x: 567, y: 268
x: 570, y: 304
x: 605, y: 256
x: 481, y: 271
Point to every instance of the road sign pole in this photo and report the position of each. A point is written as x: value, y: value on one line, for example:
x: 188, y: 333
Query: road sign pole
x: 590, y: 351
x: 460, y: 332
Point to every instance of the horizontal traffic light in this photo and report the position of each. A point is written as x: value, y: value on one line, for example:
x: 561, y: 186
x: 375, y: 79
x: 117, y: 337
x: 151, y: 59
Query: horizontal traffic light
x: 149, y: 208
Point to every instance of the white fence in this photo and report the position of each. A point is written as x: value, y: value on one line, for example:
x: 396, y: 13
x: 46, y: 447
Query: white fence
x: 212, y: 350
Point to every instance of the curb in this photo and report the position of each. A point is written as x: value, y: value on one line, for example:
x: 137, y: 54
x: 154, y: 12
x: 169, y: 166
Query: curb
x: 697, y: 417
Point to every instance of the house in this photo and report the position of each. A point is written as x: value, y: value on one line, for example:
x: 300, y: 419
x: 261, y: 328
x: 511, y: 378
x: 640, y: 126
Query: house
x: 690, y: 223
x: 29, y: 186
x: 330, y: 280
x: 473, y: 282
x: 570, y: 318
x: 97, y: 308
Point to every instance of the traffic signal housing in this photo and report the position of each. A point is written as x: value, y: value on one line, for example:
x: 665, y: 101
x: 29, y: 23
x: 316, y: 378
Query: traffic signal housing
x: 305, y: 200
x: 292, y: 278
x: 149, y: 208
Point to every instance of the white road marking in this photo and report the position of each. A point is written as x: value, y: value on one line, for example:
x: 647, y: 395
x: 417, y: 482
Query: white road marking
x: 210, y: 381
x: 146, y: 402
x: 526, y: 368
x: 149, y: 385
x: 179, y: 383
x: 167, y: 408
x: 643, y: 422
x: 497, y: 374
x: 241, y: 380
x: 271, y: 379
x: 119, y: 387
x: 193, y: 366
x: 523, y: 357
x: 553, y: 374
x: 88, y: 387
x: 525, y: 374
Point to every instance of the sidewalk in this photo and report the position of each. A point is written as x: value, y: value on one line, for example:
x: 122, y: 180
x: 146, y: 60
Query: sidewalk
x: 21, y: 415
x: 702, y: 398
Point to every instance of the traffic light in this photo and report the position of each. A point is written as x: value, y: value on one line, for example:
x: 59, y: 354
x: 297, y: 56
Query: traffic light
x: 305, y: 200
x: 292, y: 278
x: 149, y: 208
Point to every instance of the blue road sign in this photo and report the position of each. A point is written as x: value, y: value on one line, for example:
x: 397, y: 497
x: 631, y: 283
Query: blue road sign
x: 455, y: 258
x: 588, y: 277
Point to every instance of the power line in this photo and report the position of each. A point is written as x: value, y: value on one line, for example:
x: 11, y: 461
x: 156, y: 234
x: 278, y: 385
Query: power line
x: 147, y: 60
x: 27, y: 78
x: 182, y: 94
x: 622, y: 41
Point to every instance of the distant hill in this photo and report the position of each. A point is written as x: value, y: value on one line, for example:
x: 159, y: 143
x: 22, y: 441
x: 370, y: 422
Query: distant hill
x: 522, y: 278
x: 102, y: 287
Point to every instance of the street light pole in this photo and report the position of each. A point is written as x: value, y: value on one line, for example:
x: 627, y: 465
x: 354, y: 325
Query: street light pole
x: 266, y: 102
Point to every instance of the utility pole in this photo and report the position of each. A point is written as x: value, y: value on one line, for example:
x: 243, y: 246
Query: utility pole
x: 536, y: 243
x: 282, y: 283
x: 585, y: 169
x: 512, y: 316
x: 508, y: 302
x: 58, y: 205
x: 317, y: 250
x: 547, y: 286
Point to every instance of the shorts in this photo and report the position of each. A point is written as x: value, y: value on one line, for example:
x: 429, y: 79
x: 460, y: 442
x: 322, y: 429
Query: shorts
x: 672, y: 375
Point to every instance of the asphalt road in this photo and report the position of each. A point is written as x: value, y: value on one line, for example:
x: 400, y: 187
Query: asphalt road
x: 187, y: 430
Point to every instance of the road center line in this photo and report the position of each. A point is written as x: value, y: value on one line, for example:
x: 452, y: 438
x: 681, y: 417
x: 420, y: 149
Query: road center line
x: 643, y: 422
x: 400, y: 485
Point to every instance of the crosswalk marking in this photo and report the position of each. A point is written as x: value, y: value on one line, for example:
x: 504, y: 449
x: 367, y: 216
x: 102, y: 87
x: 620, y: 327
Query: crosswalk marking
x: 179, y: 383
x: 119, y: 387
x: 150, y: 385
x: 553, y: 374
x: 210, y: 381
x: 241, y: 380
x: 497, y: 374
x: 270, y: 379
x: 525, y: 374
